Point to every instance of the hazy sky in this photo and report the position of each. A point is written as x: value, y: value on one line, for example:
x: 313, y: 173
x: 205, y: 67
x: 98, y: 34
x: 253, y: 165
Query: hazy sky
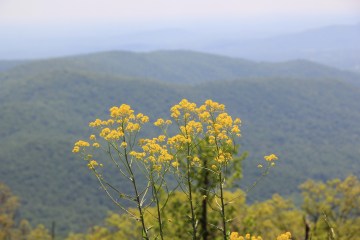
x: 43, y: 28
x: 19, y: 12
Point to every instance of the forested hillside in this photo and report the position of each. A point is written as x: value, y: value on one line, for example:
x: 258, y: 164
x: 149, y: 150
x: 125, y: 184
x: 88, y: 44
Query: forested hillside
x: 307, y: 113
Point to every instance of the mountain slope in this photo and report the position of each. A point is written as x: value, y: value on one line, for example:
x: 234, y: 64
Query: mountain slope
x: 7, y: 64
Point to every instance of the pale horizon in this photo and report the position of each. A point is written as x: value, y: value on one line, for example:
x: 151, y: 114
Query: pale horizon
x: 43, y: 28
x: 42, y: 12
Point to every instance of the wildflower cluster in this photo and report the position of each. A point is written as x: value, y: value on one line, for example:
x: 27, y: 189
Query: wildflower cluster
x: 209, y: 121
x: 284, y: 236
x: 154, y: 152
x: 80, y: 145
x: 271, y: 158
x: 236, y: 236
x: 207, y: 128
x: 122, y: 121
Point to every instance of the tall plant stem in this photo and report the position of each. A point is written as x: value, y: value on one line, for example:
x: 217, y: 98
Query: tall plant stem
x: 137, y: 197
x: 156, y: 197
x: 222, y: 207
x: 193, y: 220
x: 204, y: 193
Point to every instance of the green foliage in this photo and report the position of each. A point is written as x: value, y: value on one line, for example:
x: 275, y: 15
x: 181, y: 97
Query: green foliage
x: 270, y: 217
x: 8, y: 206
x: 333, y: 208
x: 9, y: 228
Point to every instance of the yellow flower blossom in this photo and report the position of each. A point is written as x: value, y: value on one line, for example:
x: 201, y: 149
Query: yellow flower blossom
x: 137, y: 155
x: 104, y: 132
x: 123, y: 111
x: 76, y: 149
x: 157, y: 168
x: 92, y: 164
x: 82, y: 143
x: 236, y: 236
x: 235, y: 129
x: 271, y: 157
x: 109, y: 122
x: 92, y: 137
x: 97, y: 145
x: 113, y: 135
x: 214, y: 106
x: 145, y: 119
x: 161, y: 138
x: 132, y: 127
x: 284, y: 236
x: 237, y: 121
x: 159, y: 122
x: 96, y: 123
x: 175, y: 164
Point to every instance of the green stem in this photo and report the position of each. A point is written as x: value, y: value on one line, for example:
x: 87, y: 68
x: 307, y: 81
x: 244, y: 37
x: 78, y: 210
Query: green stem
x: 188, y: 165
x: 138, y: 201
x: 193, y: 222
x: 222, y: 207
x: 156, y: 197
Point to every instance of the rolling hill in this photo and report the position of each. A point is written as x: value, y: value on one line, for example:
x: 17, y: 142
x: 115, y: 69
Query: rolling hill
x: 180, y: 67
x: 306, y: 113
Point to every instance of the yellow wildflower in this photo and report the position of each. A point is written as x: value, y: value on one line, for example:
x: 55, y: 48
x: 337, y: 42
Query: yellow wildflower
x: 144, y: 119
x: 82, y: 143
x: 109, y: 122
x: 271, y: 157
x: 104, y: 132
x: 157, y: 168
x: 235, y: 129
x: 96, y: 123
x: 284, y: 236
x: 159, y: 122
x: 92, y: 164
x: 237, y: 121
x: 76, y: 149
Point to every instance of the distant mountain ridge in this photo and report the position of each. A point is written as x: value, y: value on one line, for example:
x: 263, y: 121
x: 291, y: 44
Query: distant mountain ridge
x: 8, y: 64
x: 337, y: 46
x: 182, y: 66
